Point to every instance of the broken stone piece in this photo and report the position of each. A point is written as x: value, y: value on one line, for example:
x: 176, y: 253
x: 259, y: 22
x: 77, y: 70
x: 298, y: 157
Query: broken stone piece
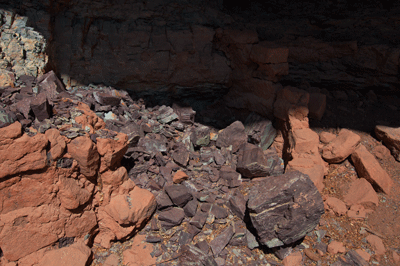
x: 220, y: 241
x: 40, y: 107
x: 369, y: 168
x: 234, y: 135
x: 341, y: 147
x: 391, y: 138
x: 252, y: 162
x: 284, y: 209
x: 179, y: 194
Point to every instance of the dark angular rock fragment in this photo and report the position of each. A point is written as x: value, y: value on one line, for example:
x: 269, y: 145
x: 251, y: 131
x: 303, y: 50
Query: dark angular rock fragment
x: 220, y: 241
x: 260, y: 130
x: 200, y: 136
x: 352, y: 258
x: 191, y: 255
x: 50, y: 85
x: 199, y: 219
x: 229, y: 177
x: 191, y: 208
x: 163, y: 200
x: 173, y: 216
x: 219, y: 212
x: 179, y: 194
x: 185, y: 113
x: 203, y: 245
x: 234, y: 135
x: 40, y: 107
x: 106, y: 98
x: 284, y: 209
x: 237, y: 204
x: 252, y: 162
x: 181, y: 155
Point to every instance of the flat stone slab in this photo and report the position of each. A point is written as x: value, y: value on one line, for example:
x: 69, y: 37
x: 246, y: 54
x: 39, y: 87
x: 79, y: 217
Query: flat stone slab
x: 283, y: 209
x: 369, y: 168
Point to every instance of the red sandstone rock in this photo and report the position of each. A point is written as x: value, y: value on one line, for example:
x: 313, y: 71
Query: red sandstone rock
x: 179, y: 176
x: 361, y: 192
x: 80, y: 224
x: 363, y: 254
x: 29, y: 190
x: 357, y: 211
x: 112, y: 150
x: 294, y: 101
x: 294, y: 259
x: 115, y: 182
x: 381, y: 152
x: 71, y: 194
x: 317, y: 105
x: 369, y: 168
x: 124, y: 214
x: 336, y: 247
x: 26, y: 230
x: 336, y: 205
x: 84, y: 152
x: 326, y: 137
x: 272, y: 71
x: 10, y: 132
x: 267, y: 53
x: 89, y: 118
x: 57, y: 143
x: 111, y: 260
x: 139, y: 254
x: 314, y: 171
x: 341, y: 147
x: 396, y: 257
x: 76, y: 254
x: 376, y: 244
x: 22, y: 154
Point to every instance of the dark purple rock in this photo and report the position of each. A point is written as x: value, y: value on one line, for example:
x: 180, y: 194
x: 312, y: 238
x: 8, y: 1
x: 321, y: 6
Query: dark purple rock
x: 219, y: 159
x: 352, y: 258
x: 153, y: 145
x: 191, y: 255
x: 24, y: 106
x: 220, y: 241
x: 193, y: 230
x: 184, y: 238
x: 163, y: 200
x: 180, y: 154
x: 200, y: 136
x: 290, y: 201
x: 234, y: 135
x: 153, y: 239
x: 185, y: 113
x: 40, y: 107
x: 179, y: 194
x: 239, y: 236
x: 252, y: 162
x: 278, y: 165
x: 252, y: 242
x: 282, y: 252
x: 203, y: 245
x: 219, y: 212
x: 237, y: 204
x: 191, y: 208
x: 199, y: 219
x: 260, y: 130
x: 106, y: 98
x: 50, y: 85
x: 205, y: 207
x: 321, y: 246
x: 229, y: 177
x: 173, y: 216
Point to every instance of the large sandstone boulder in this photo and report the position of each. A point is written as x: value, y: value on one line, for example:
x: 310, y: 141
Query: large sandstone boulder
x: 20, y: 154
x: 284, y: 209
x: 341, y: 147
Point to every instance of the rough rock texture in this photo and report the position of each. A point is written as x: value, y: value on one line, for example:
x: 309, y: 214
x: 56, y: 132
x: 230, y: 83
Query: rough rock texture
x: 21, y: 154
x: 341, y: 147
x: 361, y: 192
x: 278, y: 201
x: 391, y: 138
x: 369, y: 168
x: 76, y: 254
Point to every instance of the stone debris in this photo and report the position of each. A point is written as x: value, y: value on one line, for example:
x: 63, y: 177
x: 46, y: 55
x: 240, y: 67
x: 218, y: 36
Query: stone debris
x: 88, y: 164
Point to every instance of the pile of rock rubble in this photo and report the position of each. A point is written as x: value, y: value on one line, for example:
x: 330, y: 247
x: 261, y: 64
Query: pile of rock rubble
x: 90, y: 166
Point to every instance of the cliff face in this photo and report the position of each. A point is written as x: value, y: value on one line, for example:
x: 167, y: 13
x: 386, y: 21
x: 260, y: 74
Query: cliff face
x: 174, y: 48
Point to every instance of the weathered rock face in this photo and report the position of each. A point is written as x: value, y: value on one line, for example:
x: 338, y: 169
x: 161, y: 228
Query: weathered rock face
x: 192, y: 48
x: 284, y: 209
